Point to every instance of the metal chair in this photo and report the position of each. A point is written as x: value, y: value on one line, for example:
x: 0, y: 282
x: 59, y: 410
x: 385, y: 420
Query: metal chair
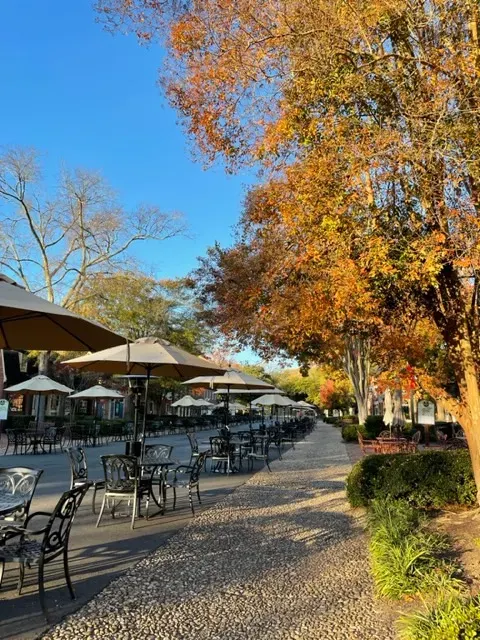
x: 19, y: 481
x: 194, y: 452
x: 79, y: 472
x: 187, y: 477
x: 56, y: 534
x: 16, y: 438
x: 222, y: 452
x: 122, y: 482
x: 261, y: 449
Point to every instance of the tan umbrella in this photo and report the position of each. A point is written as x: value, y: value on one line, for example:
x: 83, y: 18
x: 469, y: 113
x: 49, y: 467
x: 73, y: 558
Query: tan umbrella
x: 186, y: 401
x: 30, y: 322
x: 388, y: 409
x: 151, y: 356
x: 398, y: 420
x: 230, y: 380
x: 96, y: 393
x: 39, y: 386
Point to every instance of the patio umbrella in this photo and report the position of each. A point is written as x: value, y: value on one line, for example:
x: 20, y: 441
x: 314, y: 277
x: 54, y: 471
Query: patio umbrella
x: 186, y: 401
x: 388, y: 409
x: 251, y: 393
x: 96, y: 393
x: 398, y: 420
x: 39, y: 386
x: 30, y: 322
x: 230, y: 380
x: 274, y: 400
x: 146, y: 356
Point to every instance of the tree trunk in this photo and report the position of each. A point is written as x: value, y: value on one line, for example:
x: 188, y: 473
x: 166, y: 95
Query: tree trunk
x: 357, y: 368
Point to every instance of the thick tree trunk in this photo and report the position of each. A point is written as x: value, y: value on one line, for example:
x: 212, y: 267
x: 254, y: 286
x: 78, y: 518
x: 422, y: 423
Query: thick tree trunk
x: 357, y: 368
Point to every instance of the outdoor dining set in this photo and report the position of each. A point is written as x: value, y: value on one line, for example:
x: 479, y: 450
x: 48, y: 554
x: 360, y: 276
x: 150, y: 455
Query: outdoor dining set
x: 143, y: 481
x: 390, y: 442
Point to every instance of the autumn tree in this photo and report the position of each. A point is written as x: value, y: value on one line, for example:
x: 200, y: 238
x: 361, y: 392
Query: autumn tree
x: 390, y: 89
x: 136, y: 305
x: 56, y: 241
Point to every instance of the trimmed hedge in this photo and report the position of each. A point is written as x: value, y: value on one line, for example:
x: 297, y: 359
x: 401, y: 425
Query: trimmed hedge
x: 349, y: 432
x: 430, y: 479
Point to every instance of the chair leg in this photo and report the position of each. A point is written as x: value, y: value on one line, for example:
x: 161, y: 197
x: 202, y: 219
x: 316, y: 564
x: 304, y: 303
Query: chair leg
x: 174, y: 498
x: 190, y: 500
x: 67, y: 573
x: 101, y: 511
x: 41, y: 589
x: 21, y: 576
x: 268, y: 465
x: 93, y: 498
x: 198, y: 494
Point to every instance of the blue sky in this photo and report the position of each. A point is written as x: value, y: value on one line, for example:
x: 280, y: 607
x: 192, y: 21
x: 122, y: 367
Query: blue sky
x: 87, y: 98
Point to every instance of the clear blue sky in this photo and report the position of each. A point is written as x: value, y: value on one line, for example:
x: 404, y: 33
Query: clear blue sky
x: 87, y: 98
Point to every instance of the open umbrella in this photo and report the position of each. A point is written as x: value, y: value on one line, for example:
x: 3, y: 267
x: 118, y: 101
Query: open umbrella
x: 230, y: 380
x: 251, y: 393
x: 388, y: 409
x: 186, y: 401
x: 39, y: 386
x: 273, y: 400
x: 150, y: 356
x: 30, y: 322
x: 96, y: 393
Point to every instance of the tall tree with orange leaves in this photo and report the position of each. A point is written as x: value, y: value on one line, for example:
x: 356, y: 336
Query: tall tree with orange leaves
x: 384, y: 95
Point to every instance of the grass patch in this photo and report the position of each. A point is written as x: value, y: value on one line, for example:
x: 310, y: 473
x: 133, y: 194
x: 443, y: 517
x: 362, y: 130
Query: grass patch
x: 451, y: 619
x: 407, y: 558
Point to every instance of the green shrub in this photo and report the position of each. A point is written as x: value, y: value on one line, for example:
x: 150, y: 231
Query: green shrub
x: 452, y: 619
x: 331, y: 420
x: 406, y: 557
x: 429, y: 479
x: 374, y: 425
x: 349, y: 432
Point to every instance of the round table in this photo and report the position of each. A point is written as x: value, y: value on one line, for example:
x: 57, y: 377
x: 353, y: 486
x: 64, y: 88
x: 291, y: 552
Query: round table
x: 9, y: 503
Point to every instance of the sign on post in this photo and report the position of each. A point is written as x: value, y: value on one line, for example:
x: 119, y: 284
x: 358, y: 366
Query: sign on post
x: 3, y: 409
x: 426, y: 412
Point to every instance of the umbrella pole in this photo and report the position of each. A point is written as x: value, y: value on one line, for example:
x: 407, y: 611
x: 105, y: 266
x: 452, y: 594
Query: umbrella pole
x: 250, y: 413
x: 144, y: 428
x: 227, y: 403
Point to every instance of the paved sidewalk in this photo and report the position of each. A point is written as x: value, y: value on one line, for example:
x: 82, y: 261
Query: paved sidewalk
x: 282, y: 557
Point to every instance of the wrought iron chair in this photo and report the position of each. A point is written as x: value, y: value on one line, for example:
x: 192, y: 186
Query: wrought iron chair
x: 222, y: 452
x: 187, y: 477
x: 79, y: 472
x: 18, y: 439
x: 194, y: 452
x: 122, y: 482
x: 19, y: 481
x: 261, y: 450
x: 26, y: 551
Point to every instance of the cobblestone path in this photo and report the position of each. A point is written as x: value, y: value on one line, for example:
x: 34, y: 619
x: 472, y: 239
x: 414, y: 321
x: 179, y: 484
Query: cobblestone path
x: 282, y: 558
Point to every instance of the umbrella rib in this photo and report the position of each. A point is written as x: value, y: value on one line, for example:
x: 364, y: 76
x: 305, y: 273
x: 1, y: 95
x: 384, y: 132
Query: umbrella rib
x: 7, y: 346
x: 46, y: 315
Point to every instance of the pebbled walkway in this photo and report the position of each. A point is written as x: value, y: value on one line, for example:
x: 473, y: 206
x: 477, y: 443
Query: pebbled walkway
x: 283, y: 557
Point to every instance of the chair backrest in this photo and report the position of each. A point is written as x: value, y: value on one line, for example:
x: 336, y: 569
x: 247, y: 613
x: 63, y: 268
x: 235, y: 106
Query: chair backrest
x: 156, y: 453
x: 20, y: 481
x: 192, y: 438
x: 78, y: 463
x: 57, y: 531
x: 120, y: 473
x: 416, y: 437
x: 384, y: 434
x: 220, y: 447
x: 261, y: 445
x: 198, y: 466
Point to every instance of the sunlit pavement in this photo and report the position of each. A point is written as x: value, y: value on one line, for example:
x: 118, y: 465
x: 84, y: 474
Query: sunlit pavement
x: 96, y: 555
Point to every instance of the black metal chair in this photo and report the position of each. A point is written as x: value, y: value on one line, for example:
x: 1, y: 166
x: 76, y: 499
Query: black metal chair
x: 194, y: 452
x: 187, y: 477
x: 222, y: 453
x: 18, y: 481
x: 261, y: 450
x: 17, y: 439
x: 79, y: 472
x: 122, y: 482
x: 25, y: 551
